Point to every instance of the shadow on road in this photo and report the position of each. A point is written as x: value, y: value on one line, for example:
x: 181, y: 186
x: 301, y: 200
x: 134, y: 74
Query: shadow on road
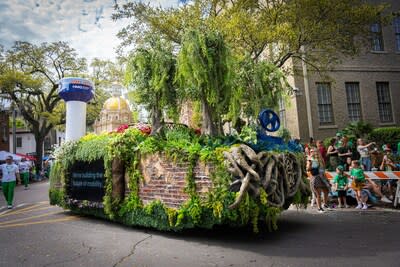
x: 300, y: 234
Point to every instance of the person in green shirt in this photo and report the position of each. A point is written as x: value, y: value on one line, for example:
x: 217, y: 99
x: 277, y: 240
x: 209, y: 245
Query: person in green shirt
x: 398, y: 148
x: 340, y: 184
x: 358, y: 177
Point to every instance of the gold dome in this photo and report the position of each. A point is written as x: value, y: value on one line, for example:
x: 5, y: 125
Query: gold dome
x: 116, y: 103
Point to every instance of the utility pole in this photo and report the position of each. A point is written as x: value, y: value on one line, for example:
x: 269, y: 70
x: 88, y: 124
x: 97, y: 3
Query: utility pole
x: 14, y: 128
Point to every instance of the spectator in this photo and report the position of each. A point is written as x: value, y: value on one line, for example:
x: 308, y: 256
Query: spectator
x: 357, y: 175
x: 309, y: 146
x: 10, y: 176
x: 322, y: 151
x: 338, y: 139
x: 317, y: 183
x: 398, y: 148
x: 388, y: 165
x: 387, y: 162
x: 365, y: 157
x: 374, y: 187
x: 340, y: 184
x: 24, y: 168
x: 332, y: 155
x: 344, y: 151
x: 347, y: 165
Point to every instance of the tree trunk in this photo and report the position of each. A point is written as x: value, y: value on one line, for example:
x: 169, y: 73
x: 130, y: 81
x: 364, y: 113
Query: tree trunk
x: 39, y: 152
x: 118, y: 179
x: 208, y: 126
x: 156, y: 117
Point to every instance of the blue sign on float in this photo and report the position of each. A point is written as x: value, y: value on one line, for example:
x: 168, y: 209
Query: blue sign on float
x: 75, y: 89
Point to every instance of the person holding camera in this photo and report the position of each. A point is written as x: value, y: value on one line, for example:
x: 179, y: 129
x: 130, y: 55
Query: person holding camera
x: 363, y: 150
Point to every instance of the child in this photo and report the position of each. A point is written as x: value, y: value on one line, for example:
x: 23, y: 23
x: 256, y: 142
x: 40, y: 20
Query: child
x: 347, y: 166
x: 357, y: 174
x: 340, y: 185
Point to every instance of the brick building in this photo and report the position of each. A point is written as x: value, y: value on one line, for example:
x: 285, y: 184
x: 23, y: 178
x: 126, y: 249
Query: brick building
x: 364, y: 88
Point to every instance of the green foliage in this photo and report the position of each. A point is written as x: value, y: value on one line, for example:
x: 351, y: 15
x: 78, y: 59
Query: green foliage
x: 284, y: 133
x: 29, y: 77
x: 65, y: 154
x: 57, y: 179
x: 300, y: 200
x: 92, y: 147
x: 203, y: 74
x: 251, y: 27
x: 151, y: 71
x: 258, y: 84
x: 263, y: 197
x: 385, y: 135
x: 57, y: 197
x: 19, y: 123
x: 56, y: 174
x: 358, y: 129
x: 105, y: 73
x: 248, y: 134
x: 271, y: 218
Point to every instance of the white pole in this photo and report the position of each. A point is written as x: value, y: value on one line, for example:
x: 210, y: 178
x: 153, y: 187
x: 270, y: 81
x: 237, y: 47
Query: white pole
x: 75, y: 120
x: 307, y: 91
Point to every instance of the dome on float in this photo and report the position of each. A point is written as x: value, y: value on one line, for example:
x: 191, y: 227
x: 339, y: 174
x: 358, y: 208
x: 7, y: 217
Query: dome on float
x: 116, y: 103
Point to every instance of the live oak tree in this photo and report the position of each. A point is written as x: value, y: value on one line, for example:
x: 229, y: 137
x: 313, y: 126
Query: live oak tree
x: 281, y: 27
x: 262, y: 36
x: 29, y: 76
x: 151, y: 71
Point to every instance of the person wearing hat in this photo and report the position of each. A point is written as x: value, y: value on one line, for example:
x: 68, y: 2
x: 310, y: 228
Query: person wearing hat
x: 340, y: 185
x: 387, y: 162
x: 388, y: 165
x: 10, y: 175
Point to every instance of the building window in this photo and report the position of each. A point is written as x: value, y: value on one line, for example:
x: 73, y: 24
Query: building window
x: 396, y: 24
x: 19, y: 141
x: 384, y: 102
x: 353, y: 101
x: 377, y: 37
x: 325, y: 111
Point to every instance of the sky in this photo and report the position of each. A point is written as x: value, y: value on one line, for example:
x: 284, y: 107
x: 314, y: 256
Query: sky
x: 85, y: 24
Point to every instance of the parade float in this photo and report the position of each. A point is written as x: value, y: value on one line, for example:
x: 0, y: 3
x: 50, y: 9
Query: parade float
x: 178, y: 179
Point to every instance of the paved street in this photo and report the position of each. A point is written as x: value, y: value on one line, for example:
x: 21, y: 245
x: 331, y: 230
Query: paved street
x: 36, y: 234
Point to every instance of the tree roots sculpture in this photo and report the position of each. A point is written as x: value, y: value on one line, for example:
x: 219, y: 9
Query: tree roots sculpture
x: 280, y: 175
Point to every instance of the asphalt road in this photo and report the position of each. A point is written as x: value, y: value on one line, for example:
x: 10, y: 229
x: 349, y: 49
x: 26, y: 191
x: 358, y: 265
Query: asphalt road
x: 36, y: 234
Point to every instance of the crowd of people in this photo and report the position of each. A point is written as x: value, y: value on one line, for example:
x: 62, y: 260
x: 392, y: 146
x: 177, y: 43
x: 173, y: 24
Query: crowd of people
x: 13, y: 173
x: 349, y: 162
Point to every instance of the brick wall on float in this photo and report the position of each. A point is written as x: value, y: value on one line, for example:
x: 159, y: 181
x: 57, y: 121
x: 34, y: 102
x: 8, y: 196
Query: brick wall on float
x: 165, y: 180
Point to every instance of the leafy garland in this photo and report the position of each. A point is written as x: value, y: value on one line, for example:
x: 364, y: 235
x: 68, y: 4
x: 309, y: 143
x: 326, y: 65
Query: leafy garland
x: 180, y: 145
